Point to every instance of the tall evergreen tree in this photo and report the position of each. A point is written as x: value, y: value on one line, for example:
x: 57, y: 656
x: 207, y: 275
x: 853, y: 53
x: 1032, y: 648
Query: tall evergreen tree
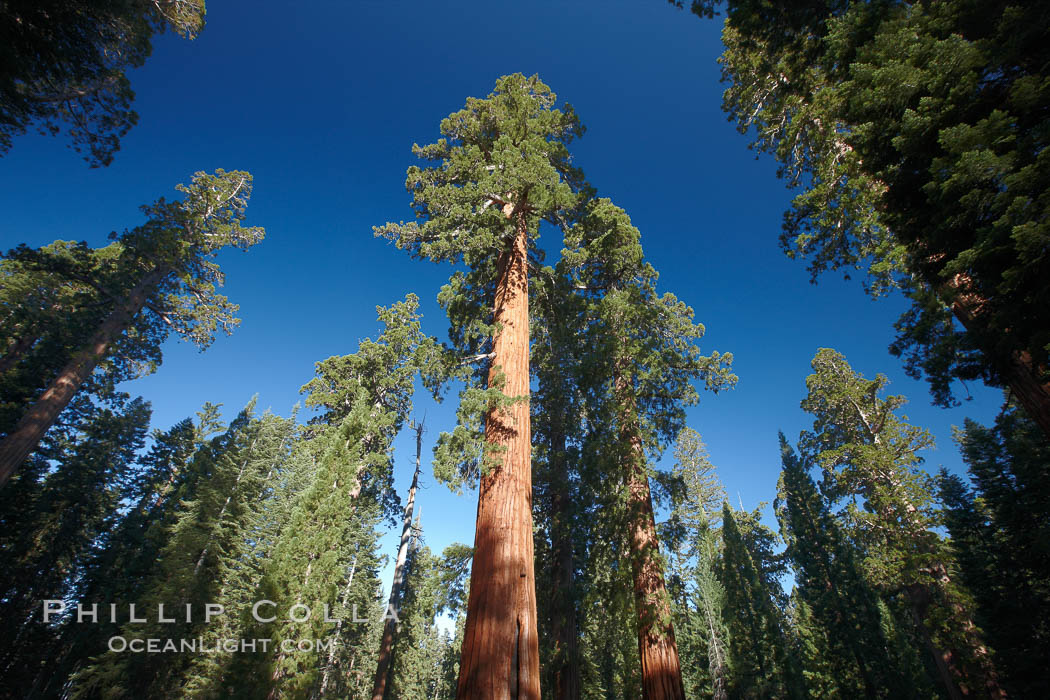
x: 165, y: 268
x: 1000, y: 532
x: 868, y: 452
x: 327, y: 553
x: 832, y: 588
x: 758, y: 653
x: 643, y: 362
x: 916, y: 133
x: 209, y: 537
x: 390, y: 626
x: 502, y: 169
x: 69, y: 509
x: 558, y: 429
x: 698, y: 599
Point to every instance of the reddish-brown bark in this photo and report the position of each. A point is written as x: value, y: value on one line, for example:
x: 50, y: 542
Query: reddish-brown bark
x: 661, y: 669
x: 1024, y: 377
x: 21, y: 441
x: 500, y: 657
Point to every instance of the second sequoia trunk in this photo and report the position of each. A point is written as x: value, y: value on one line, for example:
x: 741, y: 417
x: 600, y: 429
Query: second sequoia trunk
x: 661, y: 670
x: 500, y: 657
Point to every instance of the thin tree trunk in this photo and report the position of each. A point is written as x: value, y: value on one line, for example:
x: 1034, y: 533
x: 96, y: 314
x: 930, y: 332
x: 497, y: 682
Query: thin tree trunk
x: 326, y: 676
x: 386, y: 646
x: 500, y: 657
x: 25, y: 437
x: 567, y: 682
x: 661, y: 670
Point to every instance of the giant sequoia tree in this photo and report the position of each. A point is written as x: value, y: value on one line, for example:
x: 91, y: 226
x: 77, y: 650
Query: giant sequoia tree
x: 642, y: 365
x: 163, y: 279
x: 502, y: 169
x: 917, y: 135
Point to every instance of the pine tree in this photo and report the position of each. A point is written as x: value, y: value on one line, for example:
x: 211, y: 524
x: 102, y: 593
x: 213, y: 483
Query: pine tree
x: 420, y: 648
x: 758, y: 654
x: 208, y: 538
x: 164, y: 267
x: 71, y: 507
x: 831, y: 589
x: 327, y: 553
x: 999, y: 532
x: 698, y: 599
x: 869, y: 452
x: 390, y: 626
x: 503, y: 168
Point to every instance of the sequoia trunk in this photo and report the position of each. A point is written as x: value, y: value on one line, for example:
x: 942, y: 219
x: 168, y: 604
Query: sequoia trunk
x: 500, y: 658
x: 1024, y: 377
x: 21, y: 441
x: 661, y: 670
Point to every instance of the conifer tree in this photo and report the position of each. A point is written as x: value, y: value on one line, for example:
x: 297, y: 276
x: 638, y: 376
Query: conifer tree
x: 420, y: 647
x: 1000, y: 530
x: 71, y: 507
x: 390, y: 625
x: 645, y: 356
x: 45, y: 316
x: 831, y: 589
x: 209, y: 535
x: 164, y: 268
x: 692, y: 553
x: 502, y: 169
x: 67, y: 63
x: 558, y: 428
x: 327, y: 553
x: 869, y: 452
x: 758, y: 654
x: 915, y: 134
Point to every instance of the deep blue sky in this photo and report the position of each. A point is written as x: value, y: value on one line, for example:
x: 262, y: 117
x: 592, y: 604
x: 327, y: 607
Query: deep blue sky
x: 322, y: 101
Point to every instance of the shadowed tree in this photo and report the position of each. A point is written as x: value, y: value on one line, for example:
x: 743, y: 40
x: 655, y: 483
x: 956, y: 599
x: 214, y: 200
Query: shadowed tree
x: 65, y: 62
x: 916, y: 134
x: 162, y: 280
x: 868, y: 452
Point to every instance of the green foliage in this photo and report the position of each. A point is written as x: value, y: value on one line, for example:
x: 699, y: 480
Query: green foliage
x: 52, y: 521
x: 916, y: 134
x: 838, y: 612
x: 66, y: 63
x: 503, y: 162
x: 1000, y: 530
x: 870, y: 458
x: 759, y: 660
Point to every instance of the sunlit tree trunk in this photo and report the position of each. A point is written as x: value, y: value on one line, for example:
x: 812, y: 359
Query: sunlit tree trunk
x: 500, y: 657
x: 661, y: 670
